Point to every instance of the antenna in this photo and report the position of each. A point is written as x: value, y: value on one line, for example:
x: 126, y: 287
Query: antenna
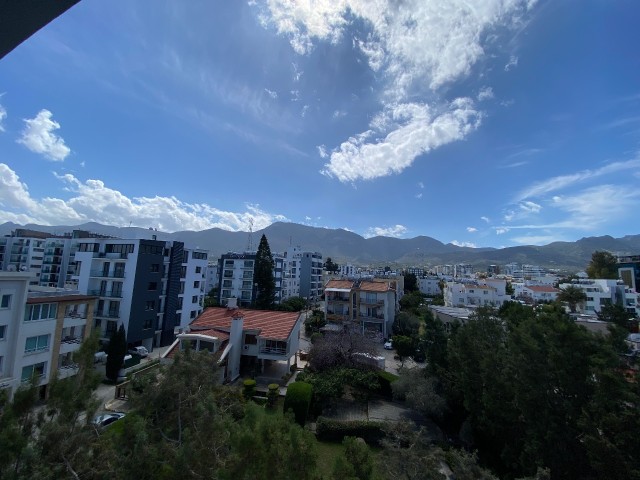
x: 250, y: 245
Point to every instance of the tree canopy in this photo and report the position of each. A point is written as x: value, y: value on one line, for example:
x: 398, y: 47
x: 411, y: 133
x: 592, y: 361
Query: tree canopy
x: 603, y: 265
x: 116, y: 351
x: 573, y: 296
x: 263, y: 276
x: 331, y: 267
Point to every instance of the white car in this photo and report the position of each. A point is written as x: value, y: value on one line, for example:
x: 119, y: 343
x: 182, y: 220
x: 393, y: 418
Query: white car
x: 388, y: 345
x: 107, y: 419
x: 140, y: 351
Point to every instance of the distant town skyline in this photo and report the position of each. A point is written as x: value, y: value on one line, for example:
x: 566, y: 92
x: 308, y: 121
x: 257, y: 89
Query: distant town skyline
x: 508, y: 124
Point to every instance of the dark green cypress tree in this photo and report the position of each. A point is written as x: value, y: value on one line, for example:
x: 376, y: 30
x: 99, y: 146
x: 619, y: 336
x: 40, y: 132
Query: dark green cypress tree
x: 263, y: 276
x: 116, y: 352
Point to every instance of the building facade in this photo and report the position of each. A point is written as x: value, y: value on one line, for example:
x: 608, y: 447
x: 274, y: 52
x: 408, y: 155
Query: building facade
x: 235, y: 278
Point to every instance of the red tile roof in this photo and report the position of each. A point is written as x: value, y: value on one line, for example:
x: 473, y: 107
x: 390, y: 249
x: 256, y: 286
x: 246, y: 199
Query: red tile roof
x: 376, y: 286
x: 542, y: 288
x: 269, y: 323
x: 346, y: 284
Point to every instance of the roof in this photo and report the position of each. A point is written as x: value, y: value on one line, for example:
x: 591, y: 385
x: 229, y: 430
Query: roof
x: 53, y: 297
x: 542, y: 288
x: 341, y: 284
x: 269, y: 324
x: 376, y: 286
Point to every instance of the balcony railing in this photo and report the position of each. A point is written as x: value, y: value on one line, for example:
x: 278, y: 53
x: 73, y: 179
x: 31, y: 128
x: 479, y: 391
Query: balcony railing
x: 106, y: 293
x: 76, y: 315
x: 107, y: 314
x: 273, y: 351
x: 70, y: 339
x: 371, y: 301
x: 110, y: 274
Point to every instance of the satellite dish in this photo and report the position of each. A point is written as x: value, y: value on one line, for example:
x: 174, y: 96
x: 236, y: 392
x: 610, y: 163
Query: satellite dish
x: 23, y: 268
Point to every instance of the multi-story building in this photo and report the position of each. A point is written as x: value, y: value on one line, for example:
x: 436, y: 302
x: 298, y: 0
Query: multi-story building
x: 212, y: 276
x: 39, y: 331
x: 417, y: 271
x: 23, y: 251
x: 602, y: 292
x: 629, y: 271
x: 152, y: 287
x: 429, y: 286
x: 348, y: 270
x: 370, y: 305
x: 302, y: 274
x: 540, y: 293
x: 235, y: 277
x: 488, y: 292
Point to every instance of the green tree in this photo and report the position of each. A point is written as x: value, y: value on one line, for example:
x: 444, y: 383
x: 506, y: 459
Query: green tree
x: 508, y: 289
x: 211, y: 300
x: 357, y: 463
x: 603, y: 265
x: 411, y: 302
x: 404, y: 346
x: 116, y: 351
x: 406, y: 324
x: 410, y: 282
x: 434, y: 343
x: 331, y: 267
x: 573, y: 296
x: 263, y: 276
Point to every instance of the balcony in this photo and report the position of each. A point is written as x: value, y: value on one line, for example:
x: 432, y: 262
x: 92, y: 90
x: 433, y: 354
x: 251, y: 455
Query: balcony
x: 69, y: 370
x: 108, y: 314
x: 338, y: 299
x: 106, y: 293
x: 371, y: 301
x: 273, y: 351
x: 109, y: 274
x: 111, y: 255
x: 71, y: 339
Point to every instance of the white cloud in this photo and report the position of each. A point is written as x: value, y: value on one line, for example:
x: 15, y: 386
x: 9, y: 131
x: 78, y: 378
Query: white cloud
x: 563, y: 181
x: 322, y: 151
x: 339, y: 114
x: 297, y: 74
x: 92, y: 200
x: 486, y: 219
x: 271, y: 93
x: 530, y: 207
x: 463, y: 244
x: 512, y: 63
x: 421, y: 185
x: 414, y: 130
x: 472, y: 229
x: 418, y: 196
x: 3, y: 116
x: 418, y: 46
x: 535, y: 239
x: 501, y: 230
x: 304, y: 110
x: 396, y: 231
x: 39, y: 137
x: 486, y: 93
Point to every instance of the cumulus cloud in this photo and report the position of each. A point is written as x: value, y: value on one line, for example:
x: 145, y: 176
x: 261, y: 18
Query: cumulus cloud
x: 486, y: 93
x: 501, y: 230
x: 418, y: 46
x: 322, y: 151
x: 396, y: 231
x: 39, y: 137
x: 472, y: 229
x: 511, y: 64
x: 92, y: 200
x: 410, y: 129
x: 535, y: 239
x: 463, y: 244
x: 485, y: 219
x: 418, y: 196
x: 420, y: 184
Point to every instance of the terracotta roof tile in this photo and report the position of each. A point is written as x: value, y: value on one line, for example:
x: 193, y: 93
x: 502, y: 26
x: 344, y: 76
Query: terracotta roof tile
x: 348, y: 284
x: 269, y: 323
x: 376, y: 287
x: 542, y: 288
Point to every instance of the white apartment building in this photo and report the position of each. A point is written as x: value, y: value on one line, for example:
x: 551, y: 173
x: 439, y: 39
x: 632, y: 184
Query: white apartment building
x: 301, y: 274
x: 348, y: 270
x: 39, y: 331
x: 488, y: 292
x: 429, y: 286
x: 540, y: 293
x: 23, y: 251
x: 152, y: 287
x: 235, y: 278
x: 605, y: 292
x: 212, y: 277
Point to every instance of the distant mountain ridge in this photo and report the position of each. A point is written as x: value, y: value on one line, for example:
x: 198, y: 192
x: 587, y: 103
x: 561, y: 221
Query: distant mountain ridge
x: 344, y: 246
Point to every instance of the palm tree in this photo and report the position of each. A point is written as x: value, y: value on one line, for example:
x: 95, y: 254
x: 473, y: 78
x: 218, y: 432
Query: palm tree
x: 573, y: 296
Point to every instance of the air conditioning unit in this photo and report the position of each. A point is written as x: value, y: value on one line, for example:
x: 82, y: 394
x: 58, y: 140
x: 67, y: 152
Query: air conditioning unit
x: 246, y: 347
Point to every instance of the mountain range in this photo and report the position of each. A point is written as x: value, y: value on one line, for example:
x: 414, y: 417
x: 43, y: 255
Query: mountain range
x: 343, y: 246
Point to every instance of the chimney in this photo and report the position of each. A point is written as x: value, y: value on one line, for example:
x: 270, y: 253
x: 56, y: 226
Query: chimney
x: 235, y: 340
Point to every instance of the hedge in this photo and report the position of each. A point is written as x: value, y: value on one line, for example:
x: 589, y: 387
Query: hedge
x: 249, y: 388
x: 298, y: 399
x: 335, y: 430
x: 385, y: 379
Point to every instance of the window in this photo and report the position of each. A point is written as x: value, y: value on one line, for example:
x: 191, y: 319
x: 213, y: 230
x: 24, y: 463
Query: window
x: 5, y: 302
x: 246, y: 284
x: 250, y: 339
x: 226, y: 283
x: 246, y: 295
x: 148, y: 323
x: 88, y: 247
x: 1, y: 362
x: 119, y: 248
x: 199, y: 255
x: 198, y: 269
x: 36, y: 344
x: 226, y: 293
x: 183, y: 271
x: 180, y: 299
x: 155, y: 267
x: 150, y: 305
x: 36, y: 370
x: 181, y: 288
x: 248, y: 264
x: 40, y: 311
x: 196, y: 284
x: 3, y: 332
x: 151, y: 250
x: 228, y: 273
x: 193, y: 313
x: 228, y: 263
x: 247, y: 274
x: 194, y: 299
x: 153, y: 286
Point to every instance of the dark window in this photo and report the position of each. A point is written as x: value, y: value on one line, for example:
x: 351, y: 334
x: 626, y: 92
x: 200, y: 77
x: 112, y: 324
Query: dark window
x: 153, y: 286
x: 155, y: 267
x: 196, y: 284
x: 199, y: 255
x: 148, y: 323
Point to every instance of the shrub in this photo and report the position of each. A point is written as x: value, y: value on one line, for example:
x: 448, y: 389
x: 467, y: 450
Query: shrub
x: 298, y: 399
x: 336, y: 430
x: 385, y: 379
x: 315, y: 337
x: 273, y: 393
x: 249, y: 388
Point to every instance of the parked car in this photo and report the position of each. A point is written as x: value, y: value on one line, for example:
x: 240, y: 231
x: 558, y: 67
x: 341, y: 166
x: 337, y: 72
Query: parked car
x: 107, y: 419
x: 140, y: 351
x: 388, y: 345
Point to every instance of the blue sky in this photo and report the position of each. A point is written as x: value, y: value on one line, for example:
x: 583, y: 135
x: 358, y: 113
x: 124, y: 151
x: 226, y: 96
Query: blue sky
x: 499, y: 123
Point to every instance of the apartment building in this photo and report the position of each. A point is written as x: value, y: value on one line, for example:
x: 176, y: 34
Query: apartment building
x: 302, y: 274
x: 23, y: 251
x: 429, y: 286
x: 629, y: 271
x: 602, y: 292
x: 235, y: 277
x: 152, y: 287
x: 540, y: 293
x: 417, y: 271
x: 488, y: 292
x: 369, y: 305
x: 39, y: 331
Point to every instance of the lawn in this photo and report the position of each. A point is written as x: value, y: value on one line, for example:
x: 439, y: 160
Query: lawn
x: 327, y: 454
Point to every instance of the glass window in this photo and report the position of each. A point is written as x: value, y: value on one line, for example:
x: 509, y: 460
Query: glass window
x: 33, y: 370
x: 3, y: 331
x: 36, y: 344
x: 5, y: 302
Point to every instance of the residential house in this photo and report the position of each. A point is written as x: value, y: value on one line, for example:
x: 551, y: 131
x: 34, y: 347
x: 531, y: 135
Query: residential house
x: 602, y: 292
x: 540, y: 293
x: 487, y: 292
